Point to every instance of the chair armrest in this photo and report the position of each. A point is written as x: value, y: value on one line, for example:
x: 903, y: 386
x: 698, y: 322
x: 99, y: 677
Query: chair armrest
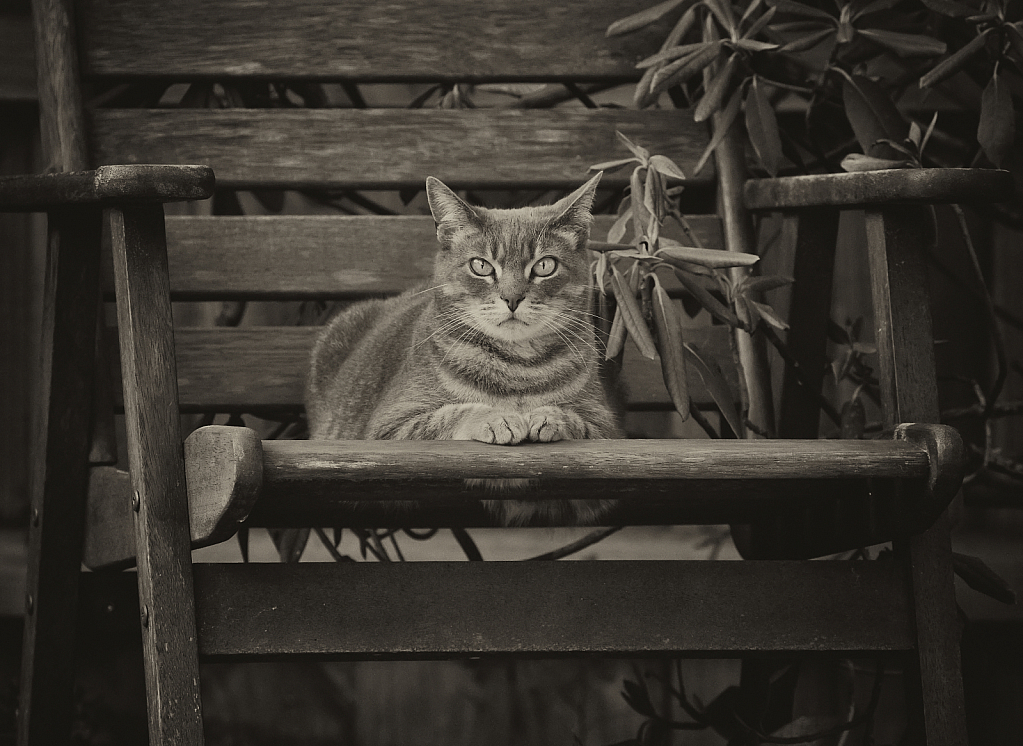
x: 106, y: 186
x: 895, y: 186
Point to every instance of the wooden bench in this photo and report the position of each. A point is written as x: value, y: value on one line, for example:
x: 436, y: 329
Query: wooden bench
x: 176, y: 498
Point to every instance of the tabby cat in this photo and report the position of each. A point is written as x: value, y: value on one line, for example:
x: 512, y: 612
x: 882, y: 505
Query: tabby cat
x: 500, y: 347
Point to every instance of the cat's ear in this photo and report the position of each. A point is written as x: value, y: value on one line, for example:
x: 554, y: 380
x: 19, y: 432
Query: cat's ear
x: 450, y: 212
x: 574, y: 211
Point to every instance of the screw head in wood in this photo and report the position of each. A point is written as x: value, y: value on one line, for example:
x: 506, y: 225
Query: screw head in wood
x: 136, y: 501
x: 30, y: 604
x: 35, y: 517
x: 145, y: 617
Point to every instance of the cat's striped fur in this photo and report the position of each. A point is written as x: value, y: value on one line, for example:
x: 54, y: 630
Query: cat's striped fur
x: 499, y: 348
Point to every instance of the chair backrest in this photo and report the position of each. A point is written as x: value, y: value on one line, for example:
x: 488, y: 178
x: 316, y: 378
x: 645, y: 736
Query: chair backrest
x: 330, y: 151
x: 265, y: 59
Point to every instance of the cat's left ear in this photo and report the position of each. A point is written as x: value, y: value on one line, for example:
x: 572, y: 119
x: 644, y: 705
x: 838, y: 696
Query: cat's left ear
x: 574, y: 211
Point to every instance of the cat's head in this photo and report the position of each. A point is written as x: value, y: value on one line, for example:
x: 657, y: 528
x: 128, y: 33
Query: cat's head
x: 515, y: 275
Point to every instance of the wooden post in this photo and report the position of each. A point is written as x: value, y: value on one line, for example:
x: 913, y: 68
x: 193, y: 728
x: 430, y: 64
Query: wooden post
x: 909, y: 394
x: 156, y: 462
x: 60, y: 477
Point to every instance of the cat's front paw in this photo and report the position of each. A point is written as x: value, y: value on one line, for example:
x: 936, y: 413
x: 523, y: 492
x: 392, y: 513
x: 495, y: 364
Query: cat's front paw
x: 501, y: 429
x: 548, y: 424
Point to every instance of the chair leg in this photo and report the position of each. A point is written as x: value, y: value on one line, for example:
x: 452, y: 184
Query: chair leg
x: 157, y: 470
x: 909, y: 394
x: 60, y: 477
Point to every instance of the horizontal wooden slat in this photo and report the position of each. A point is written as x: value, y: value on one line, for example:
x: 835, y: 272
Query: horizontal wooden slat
x: 436, y: 609
x: 252, y: 368
x: 291, y: 257
x: 387, y: 148
x: 324, y: 40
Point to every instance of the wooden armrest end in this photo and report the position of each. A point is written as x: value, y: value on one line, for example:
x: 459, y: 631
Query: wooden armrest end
x: 894, y: 186
x: 106, y: 186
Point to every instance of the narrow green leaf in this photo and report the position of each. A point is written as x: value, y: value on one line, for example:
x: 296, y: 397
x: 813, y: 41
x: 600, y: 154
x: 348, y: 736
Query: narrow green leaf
x: 798, y: 9
x: 640, y: 214
x: 760, y: 24
x: 1015, y: 34
x: 681, y: 29
x: 750, y: 9
x: 997, y: 129
x: 905, y: 45
x: 652, y: 198
x: 716, y: 384
x: 666, y: 166
x: 768, y: 314
x: 762, y: 126
x: 716, y: 90
x: 612, y: 165
x: 600, y: 272
x: 722, y: 10
x: 875, y: 7
x: 669, y: 338
x: 683, y: 69
x: 915, y: 134
x: 643, y: 18
x: 765, y: 283
x: 951, y: 65
x: 672, y: 54
x: 723, y: 125
x: 927, y: 135
x: 714, y: 258
x: 752, y: 45
x: 808, y: 42
x: 618, y: 229
x: 804, y: 26
x: 632, y: 315
x: 873, y: 115
x: 640, y: 152
x: 616, y: 337
x: 714, y: 307
x: 860, y: 162
x: 982, y: 578
x: 643, y: 96
x: 950, y: 8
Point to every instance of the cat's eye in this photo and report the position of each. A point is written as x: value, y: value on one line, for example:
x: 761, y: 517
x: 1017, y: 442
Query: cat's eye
x: 545, y: 267
x: 481, y: 267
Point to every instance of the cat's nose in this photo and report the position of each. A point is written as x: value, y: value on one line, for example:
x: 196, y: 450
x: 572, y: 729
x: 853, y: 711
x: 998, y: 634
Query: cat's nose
x: 513, y: 302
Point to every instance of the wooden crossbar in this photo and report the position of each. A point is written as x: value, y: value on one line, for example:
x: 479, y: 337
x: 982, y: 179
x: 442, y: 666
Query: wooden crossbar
x: 451, y: 609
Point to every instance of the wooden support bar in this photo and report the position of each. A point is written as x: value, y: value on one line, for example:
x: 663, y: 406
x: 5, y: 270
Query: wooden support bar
x: 434, y: 609
x: 909, y: 389
x: 105, y: 186
x: 157, y: 474
x: 895, y: 186
x: 60, y: 476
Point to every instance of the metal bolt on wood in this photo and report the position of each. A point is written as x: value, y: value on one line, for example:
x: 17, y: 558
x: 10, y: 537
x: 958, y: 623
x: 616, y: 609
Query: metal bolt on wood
x: 30, y: 604
x: 136, y: 501
x: 145, y: 617
x: 35, y: 517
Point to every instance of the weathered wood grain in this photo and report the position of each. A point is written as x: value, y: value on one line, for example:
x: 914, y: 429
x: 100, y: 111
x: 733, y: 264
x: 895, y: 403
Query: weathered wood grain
x: 243, y: 369
x: 316, y: 256
x: 60, y: 475
x: 157, y: 474
x: 453, y: 40
x: 223, y: 474
x: 435, y: 609
x: 388, y: 148
x: 919, y: 186
x: 105, y: 186
x: 909, y: 389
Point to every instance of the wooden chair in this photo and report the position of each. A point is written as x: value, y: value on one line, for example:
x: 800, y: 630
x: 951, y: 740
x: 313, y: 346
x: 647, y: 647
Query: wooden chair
x: 176, y: 498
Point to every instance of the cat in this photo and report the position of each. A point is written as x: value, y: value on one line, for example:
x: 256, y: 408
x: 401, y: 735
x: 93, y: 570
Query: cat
x: 499, y: 348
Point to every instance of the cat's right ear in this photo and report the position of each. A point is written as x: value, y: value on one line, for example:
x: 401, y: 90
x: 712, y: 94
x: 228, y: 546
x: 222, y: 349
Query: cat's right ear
x: 450, y: 212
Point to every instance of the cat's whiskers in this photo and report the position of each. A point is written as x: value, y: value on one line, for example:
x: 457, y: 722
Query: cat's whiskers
x: 427, y: 290
x: 450, y: 320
